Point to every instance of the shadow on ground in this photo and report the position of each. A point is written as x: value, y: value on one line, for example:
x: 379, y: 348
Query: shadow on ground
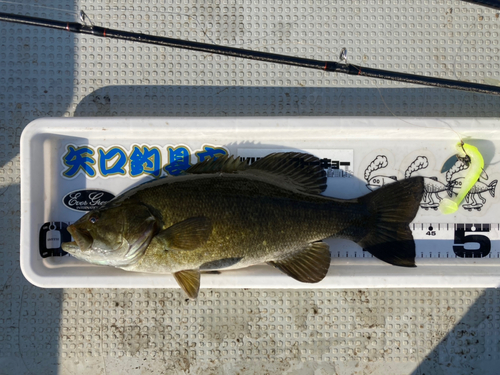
x: 284, y: 101
x: 472, y: 346
x: 36, y: 80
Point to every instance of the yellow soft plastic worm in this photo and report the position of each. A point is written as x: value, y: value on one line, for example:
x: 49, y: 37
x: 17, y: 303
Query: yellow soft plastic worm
x: 476, y: 165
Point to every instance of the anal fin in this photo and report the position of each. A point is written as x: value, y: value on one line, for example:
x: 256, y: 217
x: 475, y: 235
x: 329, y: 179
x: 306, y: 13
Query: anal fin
x: 309, y: 265
x: 189, y: 281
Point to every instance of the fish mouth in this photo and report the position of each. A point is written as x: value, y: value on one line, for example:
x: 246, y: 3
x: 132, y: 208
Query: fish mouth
x: 82, y: 240
x: 70, y: 247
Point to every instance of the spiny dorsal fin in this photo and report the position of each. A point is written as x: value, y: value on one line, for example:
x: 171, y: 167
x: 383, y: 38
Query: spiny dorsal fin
x: 299, y: 169
x: 309, y: 265
x: 302, y: 170
x: 189, y: 281
x: 189, y: 234
x: 226, y: 164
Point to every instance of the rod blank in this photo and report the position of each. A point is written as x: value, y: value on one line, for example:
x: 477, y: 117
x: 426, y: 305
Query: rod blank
x: 329, y: 66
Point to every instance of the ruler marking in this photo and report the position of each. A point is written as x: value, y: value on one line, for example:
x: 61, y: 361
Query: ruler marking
x: 457, y: 240
x: 450, y: 240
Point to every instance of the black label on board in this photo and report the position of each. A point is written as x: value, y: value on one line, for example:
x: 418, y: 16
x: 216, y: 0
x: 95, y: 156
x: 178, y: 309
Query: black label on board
x: 52, y: 235
x: 87, y: 200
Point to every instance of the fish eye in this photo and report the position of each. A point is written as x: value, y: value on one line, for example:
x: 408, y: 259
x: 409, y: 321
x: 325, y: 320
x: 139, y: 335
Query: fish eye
x: 93, y: 219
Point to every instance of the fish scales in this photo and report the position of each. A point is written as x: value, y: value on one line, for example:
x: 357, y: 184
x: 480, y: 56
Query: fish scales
x: 224, y: 213
x: 251, y: 219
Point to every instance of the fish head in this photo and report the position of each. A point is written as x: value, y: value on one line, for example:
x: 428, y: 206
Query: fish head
x: 114, y: 236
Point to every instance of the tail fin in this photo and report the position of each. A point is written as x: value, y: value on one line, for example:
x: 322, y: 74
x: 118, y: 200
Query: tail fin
x: 492, y: 187
x: 393, y: 207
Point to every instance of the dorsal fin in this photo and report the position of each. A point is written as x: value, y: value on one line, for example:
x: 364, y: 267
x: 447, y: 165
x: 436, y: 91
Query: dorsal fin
x: 226, y: 164
x: 302, y: 170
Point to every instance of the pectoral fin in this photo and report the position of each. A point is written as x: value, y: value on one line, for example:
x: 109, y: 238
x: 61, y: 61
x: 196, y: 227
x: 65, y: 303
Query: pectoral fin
x: 189, y: 281
x: 189, y: 234
x: 309, y: 265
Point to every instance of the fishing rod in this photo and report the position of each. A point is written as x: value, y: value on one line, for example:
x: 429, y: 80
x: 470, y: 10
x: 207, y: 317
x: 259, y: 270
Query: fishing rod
x: 327, y: 66
x: 495, y: 4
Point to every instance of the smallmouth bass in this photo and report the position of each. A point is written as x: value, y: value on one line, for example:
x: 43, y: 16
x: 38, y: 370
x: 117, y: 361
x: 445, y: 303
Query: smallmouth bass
x: 225, y: 214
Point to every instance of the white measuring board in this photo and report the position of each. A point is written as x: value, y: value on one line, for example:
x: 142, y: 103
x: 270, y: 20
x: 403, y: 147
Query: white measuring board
x: 80, y: 164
